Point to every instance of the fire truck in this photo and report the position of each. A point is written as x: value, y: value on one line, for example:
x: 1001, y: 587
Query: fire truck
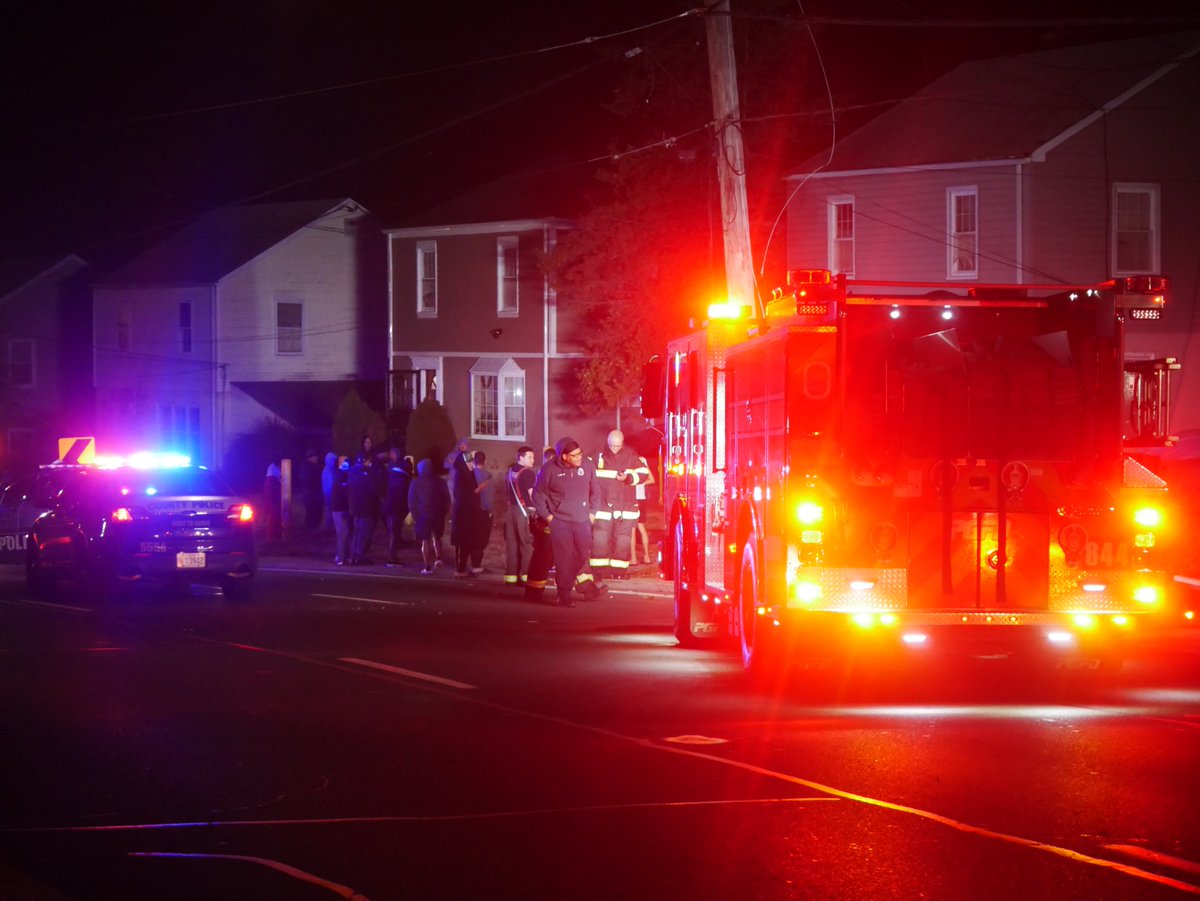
x: 915, y: 469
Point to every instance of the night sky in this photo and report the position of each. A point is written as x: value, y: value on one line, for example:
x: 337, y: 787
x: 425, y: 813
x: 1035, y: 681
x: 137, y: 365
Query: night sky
x: 119, y: 122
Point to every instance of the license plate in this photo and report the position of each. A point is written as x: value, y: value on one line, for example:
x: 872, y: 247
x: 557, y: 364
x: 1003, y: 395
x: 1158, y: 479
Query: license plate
x: 189, y: 561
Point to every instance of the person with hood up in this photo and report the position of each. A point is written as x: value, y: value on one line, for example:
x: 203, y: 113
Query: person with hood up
x: 428, y: 502
x: 395, y: 502
x: 566, y: 495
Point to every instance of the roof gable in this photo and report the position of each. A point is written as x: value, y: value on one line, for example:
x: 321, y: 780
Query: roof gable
x: 220, y: 242
x: 1009, y: 108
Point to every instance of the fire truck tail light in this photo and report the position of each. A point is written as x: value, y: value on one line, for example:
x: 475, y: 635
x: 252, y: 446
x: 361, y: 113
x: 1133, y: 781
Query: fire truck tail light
x: 1149, y: 517
x: 1144, y: 540
x: 807, y: 592
x: 122, y: 514
x: 809, y: 514
x: 1060, y: 637
x: 864, y: 620
x: 1144, y: 284
x: 861, y: 585
x: 1146, y: 594
x: 915, y: 639
x: 1094, y: 587
x: 1084, y: 621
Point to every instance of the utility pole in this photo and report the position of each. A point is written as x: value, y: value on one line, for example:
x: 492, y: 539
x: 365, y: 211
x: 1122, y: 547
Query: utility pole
x: 731, y: 161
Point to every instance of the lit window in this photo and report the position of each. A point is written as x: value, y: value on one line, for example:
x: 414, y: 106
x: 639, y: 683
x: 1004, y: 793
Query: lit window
x: 497, y: 399
x: 427, y: 299
x: 289, y: 325
x: 841, y: 235
x: 962, y: 210
x: 506, y: 276
x: 1135, y: 229
x: 179, y: 429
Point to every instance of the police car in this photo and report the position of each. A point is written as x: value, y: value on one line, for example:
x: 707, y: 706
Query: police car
x: 23, y: 500
x: 113, y: 526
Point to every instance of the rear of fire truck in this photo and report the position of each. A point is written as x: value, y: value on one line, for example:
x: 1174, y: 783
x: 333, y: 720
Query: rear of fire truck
x: 919, y: 470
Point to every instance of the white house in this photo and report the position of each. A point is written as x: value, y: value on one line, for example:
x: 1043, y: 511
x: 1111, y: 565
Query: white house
x: 250, y: 312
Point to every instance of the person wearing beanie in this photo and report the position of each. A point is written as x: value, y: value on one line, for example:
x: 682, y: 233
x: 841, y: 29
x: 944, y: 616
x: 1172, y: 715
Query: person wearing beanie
x: 565, y: 495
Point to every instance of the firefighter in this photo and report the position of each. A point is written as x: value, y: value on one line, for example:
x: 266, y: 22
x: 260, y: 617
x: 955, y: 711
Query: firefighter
x: 542, y: 558
x: 618, y: 470
x: 565, y: 495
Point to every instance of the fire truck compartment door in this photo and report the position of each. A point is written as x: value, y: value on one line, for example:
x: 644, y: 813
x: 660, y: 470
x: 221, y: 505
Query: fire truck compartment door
x: 956, y: 562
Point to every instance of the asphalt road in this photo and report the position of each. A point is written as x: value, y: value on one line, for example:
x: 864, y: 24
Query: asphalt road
x: 374, y: 734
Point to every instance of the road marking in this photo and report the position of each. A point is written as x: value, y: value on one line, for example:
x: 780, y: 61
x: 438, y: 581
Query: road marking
x: 412, y: 674
x: 27, y: 603
x: 1179, y: 863
x: 344, y: 890
x: 420, y: 818
x: 346, y: 597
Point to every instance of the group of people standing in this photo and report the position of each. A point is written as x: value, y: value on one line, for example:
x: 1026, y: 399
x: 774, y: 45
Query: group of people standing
x: 576, y: 515
x: 580, y: 516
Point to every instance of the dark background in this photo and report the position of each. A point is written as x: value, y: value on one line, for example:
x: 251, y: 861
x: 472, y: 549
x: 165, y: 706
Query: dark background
x: 118, y: 122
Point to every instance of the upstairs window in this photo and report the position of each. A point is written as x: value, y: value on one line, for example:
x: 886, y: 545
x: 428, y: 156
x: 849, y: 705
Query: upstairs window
x: 841, y: 235
x: 962, y: 213
x: 289, y: 327
x: 427, y: 294
x: 1135, y: 229
x: 20, y: 363
x: 507, y: 276
x: 185, y: 327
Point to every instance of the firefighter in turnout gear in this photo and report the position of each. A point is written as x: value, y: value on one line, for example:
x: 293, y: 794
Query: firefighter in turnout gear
x: 618, y: 470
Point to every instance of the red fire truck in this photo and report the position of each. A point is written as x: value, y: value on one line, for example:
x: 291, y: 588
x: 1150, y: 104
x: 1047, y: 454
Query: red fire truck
x: 915, y: 469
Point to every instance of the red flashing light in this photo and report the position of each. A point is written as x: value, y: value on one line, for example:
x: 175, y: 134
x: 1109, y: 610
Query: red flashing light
x: 122, y: 514
x: 241, y: 513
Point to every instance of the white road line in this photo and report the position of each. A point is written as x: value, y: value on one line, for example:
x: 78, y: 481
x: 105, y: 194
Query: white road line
x: 1178, y: 863
x: 344, y: 890
x: 346, y: 597
x: 412, y: 674
x: 27, y: 603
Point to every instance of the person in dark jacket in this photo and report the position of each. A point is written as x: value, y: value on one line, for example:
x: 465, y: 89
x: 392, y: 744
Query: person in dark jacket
x: 518, y: 534
x: 339, y: 507
x: 541, y: 561
x: 362, y: 484
x: 428, y: 502
x: 395, y: 503
x: 483, y: 481
x: 566, y: 495
x: 465, y: 513
x: 328, y: 474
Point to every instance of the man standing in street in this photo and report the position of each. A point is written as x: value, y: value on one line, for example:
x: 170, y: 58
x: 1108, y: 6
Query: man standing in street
x: 518, y: 533
x: 565, y: 495
x: 618, y: 470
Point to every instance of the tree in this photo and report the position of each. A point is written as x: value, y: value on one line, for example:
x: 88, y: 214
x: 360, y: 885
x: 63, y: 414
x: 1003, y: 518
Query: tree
x: 430, y: 432
x: 354, y: 421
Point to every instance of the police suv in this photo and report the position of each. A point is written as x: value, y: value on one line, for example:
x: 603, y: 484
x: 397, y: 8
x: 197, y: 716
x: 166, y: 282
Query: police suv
x: 23, y: 500
x: 110, y: 528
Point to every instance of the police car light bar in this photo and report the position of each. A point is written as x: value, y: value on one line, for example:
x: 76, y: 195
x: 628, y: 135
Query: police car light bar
x: 144, y: 460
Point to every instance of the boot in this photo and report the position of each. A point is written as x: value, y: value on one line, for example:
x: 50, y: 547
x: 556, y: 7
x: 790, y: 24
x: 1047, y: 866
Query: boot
x: 589, y: 591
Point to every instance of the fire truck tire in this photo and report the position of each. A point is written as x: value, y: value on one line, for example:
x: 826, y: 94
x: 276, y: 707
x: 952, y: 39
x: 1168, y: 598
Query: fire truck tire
x: 758, y: 638
x: 682, y: 592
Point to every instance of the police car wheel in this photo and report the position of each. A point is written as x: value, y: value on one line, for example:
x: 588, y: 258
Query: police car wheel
x: 41, y: 583
x: 238, y: 589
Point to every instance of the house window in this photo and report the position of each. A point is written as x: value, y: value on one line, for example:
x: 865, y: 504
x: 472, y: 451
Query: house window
x: 962, y: 212
x: 179, y: 428
x: 20, y: 362
x: 289, y: 324
x: 1135, y: 229
x: 124, y: 318
x: 185, y: 327
x: 841, y: 235
x: 497, y: 399
x: 427, y: 298
x: 506, y: 276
